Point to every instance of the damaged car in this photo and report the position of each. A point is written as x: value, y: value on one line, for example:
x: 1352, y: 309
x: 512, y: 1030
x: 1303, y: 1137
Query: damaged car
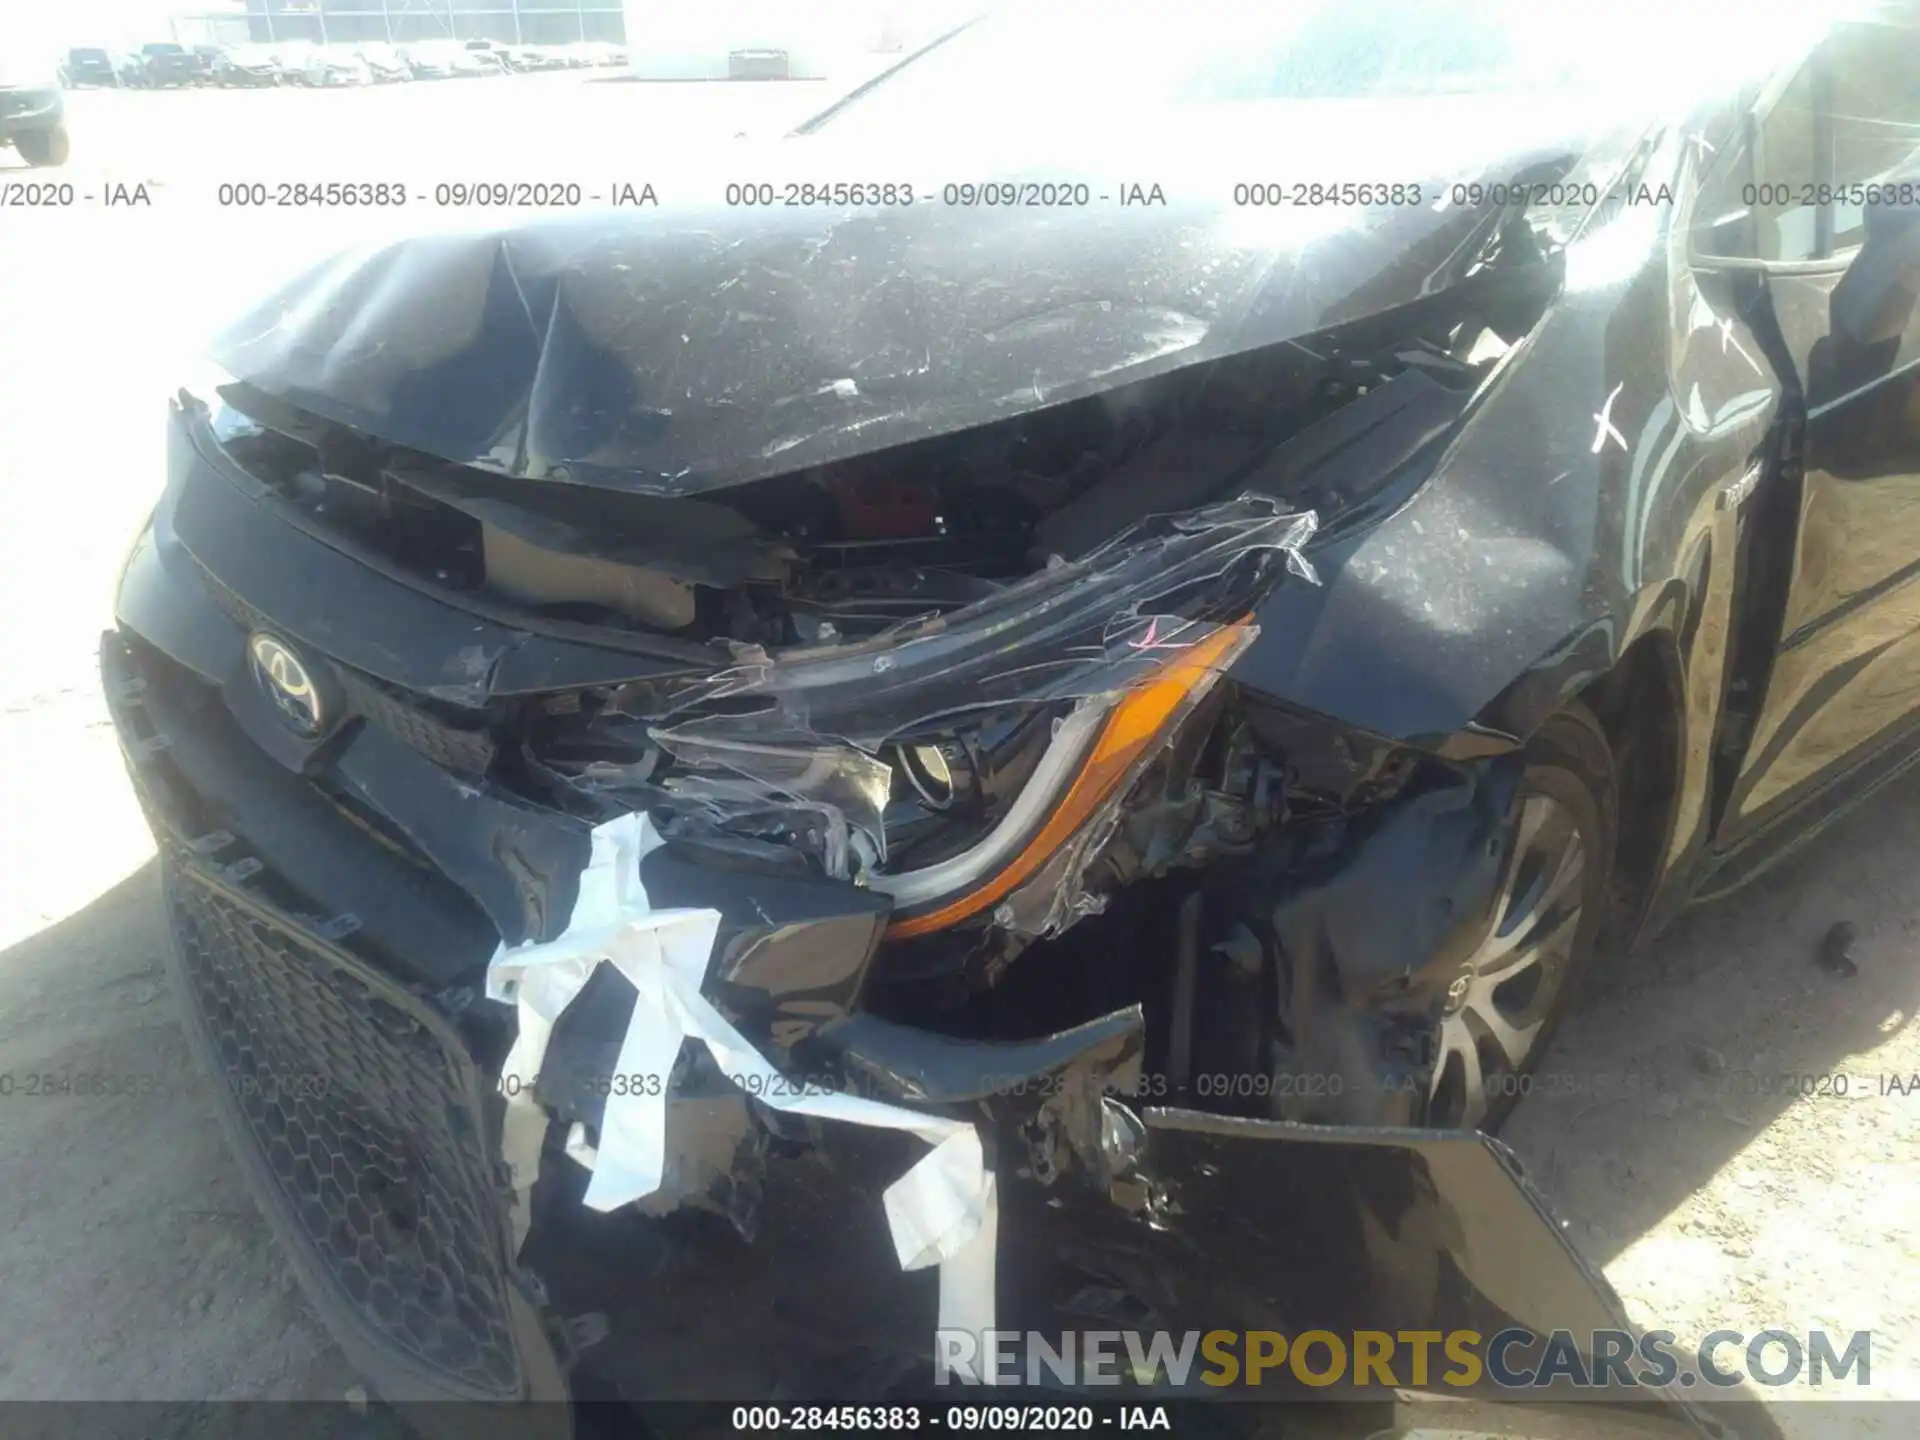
x: 1150, y: 679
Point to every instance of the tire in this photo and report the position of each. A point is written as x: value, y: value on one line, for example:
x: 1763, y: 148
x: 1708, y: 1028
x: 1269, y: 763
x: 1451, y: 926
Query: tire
x: 41, y: 148
x: 1569, y: 768
x: 1406, y: 1053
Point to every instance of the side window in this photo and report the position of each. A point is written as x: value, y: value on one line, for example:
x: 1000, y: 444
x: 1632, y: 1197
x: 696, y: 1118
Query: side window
x: 1784, y: 169
x: 1873, y: 114
x: 1750, y: 206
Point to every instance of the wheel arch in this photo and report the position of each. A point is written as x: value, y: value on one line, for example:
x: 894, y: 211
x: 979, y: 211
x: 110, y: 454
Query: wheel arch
x: 1640, y: 705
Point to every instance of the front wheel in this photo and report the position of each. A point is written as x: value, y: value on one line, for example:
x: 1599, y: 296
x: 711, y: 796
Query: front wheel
x: 1321, y: 1010
x: 1512, y: 989
x: 41, y: 148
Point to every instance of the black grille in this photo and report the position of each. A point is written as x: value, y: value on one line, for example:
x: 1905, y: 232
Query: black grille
x: 367, y: 1128
x: 468, y: 751
x: 456, y: 748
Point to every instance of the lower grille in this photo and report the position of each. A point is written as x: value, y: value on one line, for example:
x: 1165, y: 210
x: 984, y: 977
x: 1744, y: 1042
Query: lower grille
x: 468, y: 751
x: 366, y: 1128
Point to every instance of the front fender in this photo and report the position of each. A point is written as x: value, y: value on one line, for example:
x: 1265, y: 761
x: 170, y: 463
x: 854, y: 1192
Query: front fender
x: 1587, y: 495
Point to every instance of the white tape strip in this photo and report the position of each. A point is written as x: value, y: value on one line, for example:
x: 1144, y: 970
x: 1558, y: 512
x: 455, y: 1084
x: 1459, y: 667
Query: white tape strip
x: 943, y: 1211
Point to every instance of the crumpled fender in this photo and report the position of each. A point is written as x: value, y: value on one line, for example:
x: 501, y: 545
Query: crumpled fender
x: 1527, y: 549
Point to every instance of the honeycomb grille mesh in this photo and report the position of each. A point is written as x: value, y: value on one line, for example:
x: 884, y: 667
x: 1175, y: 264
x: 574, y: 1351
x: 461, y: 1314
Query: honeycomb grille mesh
x: 468, y: 751
x: 367, y: 1128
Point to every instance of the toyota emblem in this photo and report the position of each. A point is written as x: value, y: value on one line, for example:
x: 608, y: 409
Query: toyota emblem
x: 288, y: 683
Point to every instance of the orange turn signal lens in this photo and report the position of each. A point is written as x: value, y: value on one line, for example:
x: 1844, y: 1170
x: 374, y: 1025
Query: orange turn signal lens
x: 1142, y: 715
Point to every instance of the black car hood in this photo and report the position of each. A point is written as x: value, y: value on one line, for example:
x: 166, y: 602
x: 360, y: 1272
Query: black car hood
x: 695, y: 345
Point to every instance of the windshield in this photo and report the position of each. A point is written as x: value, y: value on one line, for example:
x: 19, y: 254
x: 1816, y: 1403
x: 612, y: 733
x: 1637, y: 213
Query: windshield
x: 1063, y: 65
x: 88, y: 57
x: 163, y: 49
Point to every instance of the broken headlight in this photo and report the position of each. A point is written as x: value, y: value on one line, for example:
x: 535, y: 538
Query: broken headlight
x: 953, y: 762
x: 1092, y: 754
x: 950, y: 787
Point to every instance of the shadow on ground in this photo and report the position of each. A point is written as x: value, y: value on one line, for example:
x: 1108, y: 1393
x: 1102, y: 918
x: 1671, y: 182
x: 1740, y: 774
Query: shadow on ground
x: 137, y: 1266
x: 1676, y: 1059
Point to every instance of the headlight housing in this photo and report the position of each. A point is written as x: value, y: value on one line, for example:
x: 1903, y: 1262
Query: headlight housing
x: 954, y: 762
x: 1096, y: 751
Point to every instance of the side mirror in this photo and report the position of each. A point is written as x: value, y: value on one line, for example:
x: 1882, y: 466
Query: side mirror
x: 1874, y: 300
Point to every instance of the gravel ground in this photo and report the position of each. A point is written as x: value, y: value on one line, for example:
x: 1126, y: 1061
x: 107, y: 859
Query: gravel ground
x: 136, y: 1267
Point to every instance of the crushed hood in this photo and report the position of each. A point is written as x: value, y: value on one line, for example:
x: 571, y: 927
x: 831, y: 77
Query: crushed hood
x: 695, y: 345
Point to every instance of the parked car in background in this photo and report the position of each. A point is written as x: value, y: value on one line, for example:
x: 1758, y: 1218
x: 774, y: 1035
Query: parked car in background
x: 334, y: 65
x: 429, y: 61
x: 448, y: 60
x: 207, y: 59
x: 165, y: 65
x: 497, y: 59
x: 759, y: 64
x: 249, y: 67
x: 32, y: 109
x: 90, y: 65
x: 386, y: 64
x: 292, y: 57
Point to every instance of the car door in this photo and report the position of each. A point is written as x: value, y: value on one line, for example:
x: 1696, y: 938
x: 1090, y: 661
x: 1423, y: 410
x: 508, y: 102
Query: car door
x: 1830, y: 163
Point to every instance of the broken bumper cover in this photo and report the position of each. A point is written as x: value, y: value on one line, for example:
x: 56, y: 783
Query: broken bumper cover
x: 360, y: 1110
x: 358, y: 1118
x: 333, y: 912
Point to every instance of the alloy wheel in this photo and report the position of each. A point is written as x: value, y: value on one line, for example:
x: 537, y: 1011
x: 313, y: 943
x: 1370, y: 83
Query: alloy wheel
x: 1495, y: 1011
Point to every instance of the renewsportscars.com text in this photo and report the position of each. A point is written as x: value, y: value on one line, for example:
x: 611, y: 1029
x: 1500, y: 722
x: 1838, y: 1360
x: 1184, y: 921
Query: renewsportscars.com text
x: 1512, y: 1359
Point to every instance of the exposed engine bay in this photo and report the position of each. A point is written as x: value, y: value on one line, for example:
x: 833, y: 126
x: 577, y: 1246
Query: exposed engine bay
x: 881, y: 548
x: 832, y: 715
x: 848, y: 550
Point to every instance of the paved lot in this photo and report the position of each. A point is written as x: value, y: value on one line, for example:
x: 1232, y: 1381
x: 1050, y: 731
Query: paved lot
x: 135, y: 1266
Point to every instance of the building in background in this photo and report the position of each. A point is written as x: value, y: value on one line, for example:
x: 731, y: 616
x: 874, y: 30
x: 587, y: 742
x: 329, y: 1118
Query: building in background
x: 776, y: 39
x: 665, y: 39
x: 208, y: 27
x: 126, y: 25
x: 511, y: 22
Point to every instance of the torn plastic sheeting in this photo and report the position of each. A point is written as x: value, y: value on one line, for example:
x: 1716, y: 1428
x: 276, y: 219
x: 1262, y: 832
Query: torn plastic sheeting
x: 838, y: 779
x: 1037, y: 885
x: 730, y: 811
x: 943, y: 1211
x: 1076, y: 629
x: 836, y: 795
x: 1086, y: 632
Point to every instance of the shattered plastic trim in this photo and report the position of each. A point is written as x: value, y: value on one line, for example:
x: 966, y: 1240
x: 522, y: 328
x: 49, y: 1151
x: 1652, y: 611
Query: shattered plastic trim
x: 1086, y: 631
x: 943, y: 1211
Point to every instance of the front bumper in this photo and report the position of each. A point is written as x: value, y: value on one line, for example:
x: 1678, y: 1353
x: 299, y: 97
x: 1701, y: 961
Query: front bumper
x: 333, y: 906
x: 353, y: 1105
x: 28, y: 109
